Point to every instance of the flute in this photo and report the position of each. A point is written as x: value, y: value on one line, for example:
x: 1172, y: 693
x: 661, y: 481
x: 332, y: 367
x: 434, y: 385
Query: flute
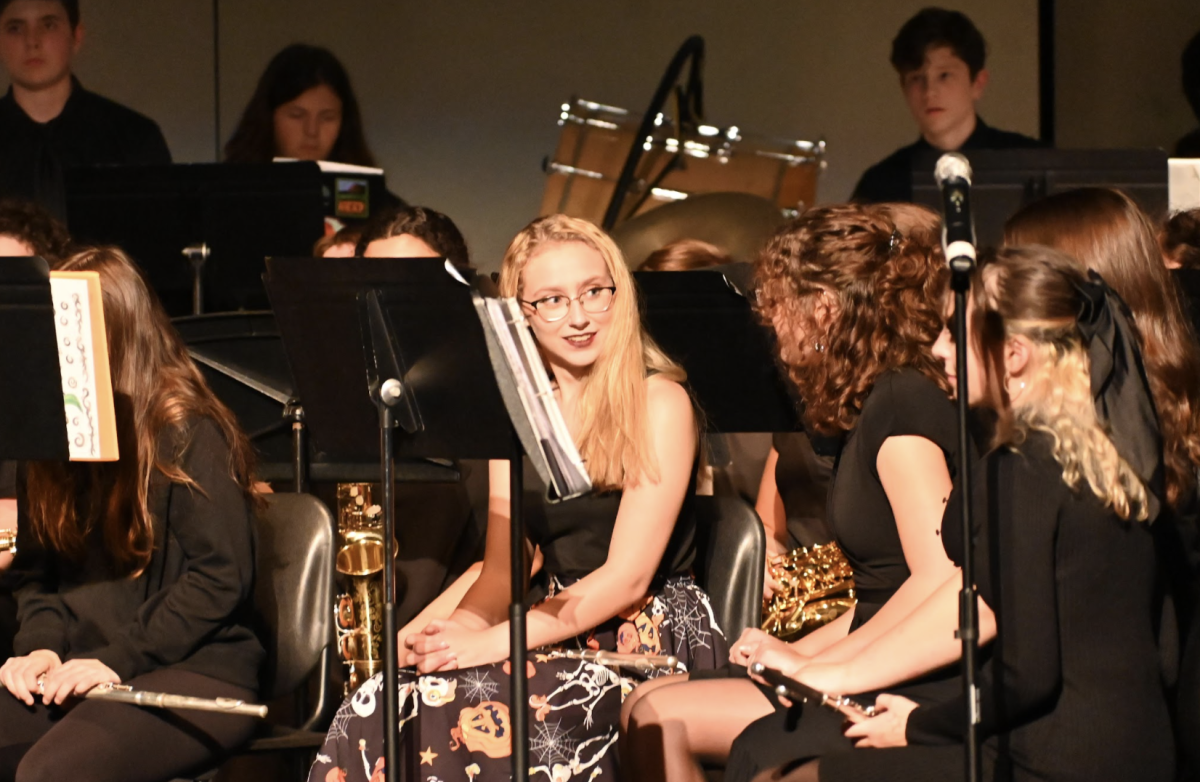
x: 640, y: 662
x: 8, y: 540
x: 787, y: 687
x: 123, y: 693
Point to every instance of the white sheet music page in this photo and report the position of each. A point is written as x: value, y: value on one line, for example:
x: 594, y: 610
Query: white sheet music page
x: 83, y: 363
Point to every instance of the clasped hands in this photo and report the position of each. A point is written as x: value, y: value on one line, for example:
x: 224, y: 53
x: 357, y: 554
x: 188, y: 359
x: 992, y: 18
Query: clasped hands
x: 446, y: 644
x: 42, y: 673
x: 885, y: 729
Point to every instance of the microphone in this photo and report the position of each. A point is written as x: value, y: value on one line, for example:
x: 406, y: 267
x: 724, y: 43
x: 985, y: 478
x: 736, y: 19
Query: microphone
x: 953, y: 175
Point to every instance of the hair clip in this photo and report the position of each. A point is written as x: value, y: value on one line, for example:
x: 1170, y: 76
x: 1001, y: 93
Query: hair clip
x: 894, y: 242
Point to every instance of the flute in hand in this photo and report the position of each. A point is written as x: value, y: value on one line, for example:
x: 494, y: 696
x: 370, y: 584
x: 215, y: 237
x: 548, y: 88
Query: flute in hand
x: 787, y: 687
x: 639, y: 662
x: 123, y: 693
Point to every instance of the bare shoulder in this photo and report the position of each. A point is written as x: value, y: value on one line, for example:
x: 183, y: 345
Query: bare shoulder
x: 667, y: 397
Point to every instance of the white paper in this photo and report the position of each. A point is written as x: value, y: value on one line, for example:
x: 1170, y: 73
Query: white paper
x: 1183, y: 184
x: 73, y: 330
x: 330, y: 167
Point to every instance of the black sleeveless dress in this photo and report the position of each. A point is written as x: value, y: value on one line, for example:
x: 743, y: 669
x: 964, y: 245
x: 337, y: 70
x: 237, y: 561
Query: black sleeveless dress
x: 456, y: 725
x: 902, y: 402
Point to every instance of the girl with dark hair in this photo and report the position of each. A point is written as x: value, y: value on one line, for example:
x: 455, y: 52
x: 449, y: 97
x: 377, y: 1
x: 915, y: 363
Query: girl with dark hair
x: 854, y: 295
x: 1179, y: 239
x: 137, y: 571
x: 1104, y: 230
x: 1066, y: 491
x: 304, y: 108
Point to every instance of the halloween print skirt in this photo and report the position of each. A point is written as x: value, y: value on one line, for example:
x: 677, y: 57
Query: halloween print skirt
x: 455, y: 726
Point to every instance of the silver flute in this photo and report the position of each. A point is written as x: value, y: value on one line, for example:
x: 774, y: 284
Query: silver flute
x: 638, y: 662
x: 162, y: 700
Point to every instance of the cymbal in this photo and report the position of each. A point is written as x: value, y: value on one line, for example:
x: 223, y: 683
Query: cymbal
x: 738, y: 223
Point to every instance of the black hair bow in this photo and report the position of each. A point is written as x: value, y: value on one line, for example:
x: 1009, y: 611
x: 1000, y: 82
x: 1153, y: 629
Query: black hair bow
x: 1119, y: 385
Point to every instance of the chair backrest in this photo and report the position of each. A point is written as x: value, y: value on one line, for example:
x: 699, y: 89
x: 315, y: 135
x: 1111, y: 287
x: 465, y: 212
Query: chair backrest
x: 293, y: 595
x: 731, y: 551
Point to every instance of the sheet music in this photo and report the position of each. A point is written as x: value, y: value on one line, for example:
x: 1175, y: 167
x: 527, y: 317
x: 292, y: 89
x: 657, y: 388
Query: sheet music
x: 568, y: 474
x: 83, y: 363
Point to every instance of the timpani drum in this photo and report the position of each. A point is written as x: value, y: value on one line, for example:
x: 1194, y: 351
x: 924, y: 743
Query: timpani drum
x: 596, y: 139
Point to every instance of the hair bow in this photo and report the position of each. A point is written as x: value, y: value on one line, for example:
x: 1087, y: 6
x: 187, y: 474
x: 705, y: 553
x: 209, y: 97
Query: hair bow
x: 1119, y: 386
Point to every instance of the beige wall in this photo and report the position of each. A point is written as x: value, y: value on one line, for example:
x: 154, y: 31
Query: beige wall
x: 461, y: 96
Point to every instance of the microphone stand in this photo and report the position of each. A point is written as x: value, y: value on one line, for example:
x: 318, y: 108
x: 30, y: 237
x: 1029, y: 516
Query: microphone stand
x: 953, y: 173
x: 968, y: 608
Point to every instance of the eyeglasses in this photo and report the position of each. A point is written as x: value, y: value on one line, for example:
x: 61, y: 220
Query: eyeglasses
x: 593, y: 301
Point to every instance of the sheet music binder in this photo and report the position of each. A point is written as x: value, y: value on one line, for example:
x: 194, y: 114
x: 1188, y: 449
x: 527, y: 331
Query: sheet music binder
x: 525, y: 385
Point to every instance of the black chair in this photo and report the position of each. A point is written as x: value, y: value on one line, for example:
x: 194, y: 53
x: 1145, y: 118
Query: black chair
x: 731, y: 549
x: 293, y: 611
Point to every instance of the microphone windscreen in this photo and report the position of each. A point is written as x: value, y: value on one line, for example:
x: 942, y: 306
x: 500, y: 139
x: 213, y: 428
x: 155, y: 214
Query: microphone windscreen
x: 951, y: 166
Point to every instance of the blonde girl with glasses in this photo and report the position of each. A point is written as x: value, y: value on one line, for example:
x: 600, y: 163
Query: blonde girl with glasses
x: 616, y: 572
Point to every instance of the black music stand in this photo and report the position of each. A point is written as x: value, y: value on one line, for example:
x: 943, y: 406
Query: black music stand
x: 1004, y: 180
x: 407, y: 330
x: 703, y: 320
x: 241, y: 356
x: 33, y: 422
x: 200, y: 231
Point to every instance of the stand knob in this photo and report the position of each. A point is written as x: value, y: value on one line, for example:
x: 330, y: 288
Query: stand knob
x: 391, y: 391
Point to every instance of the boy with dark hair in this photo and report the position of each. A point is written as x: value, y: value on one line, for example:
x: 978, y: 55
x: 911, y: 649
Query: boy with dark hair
x: 48, y: 121
x: 940, y: 56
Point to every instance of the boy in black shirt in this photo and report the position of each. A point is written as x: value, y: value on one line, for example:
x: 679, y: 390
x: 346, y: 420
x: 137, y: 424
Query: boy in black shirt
x: 48, y: 121
x: 940, y: 57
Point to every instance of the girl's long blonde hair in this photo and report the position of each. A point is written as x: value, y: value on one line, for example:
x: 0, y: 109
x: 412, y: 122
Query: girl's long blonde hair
x: 613, y: 433
x: 1034, y: 292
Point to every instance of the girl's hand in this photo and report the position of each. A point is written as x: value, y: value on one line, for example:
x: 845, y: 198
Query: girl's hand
x: 749, y: 642
x: 75, y: 677
x: 20, y: 675
x: 887, y: 728
x: 446, y: 645
x: 781, y: 657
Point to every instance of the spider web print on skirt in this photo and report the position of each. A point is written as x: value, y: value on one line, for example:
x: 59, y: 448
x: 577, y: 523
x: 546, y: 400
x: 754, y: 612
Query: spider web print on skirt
x: 456, y: 726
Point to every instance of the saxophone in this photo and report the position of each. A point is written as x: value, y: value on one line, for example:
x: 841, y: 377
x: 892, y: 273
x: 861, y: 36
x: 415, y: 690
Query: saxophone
x: 359, y: 610
x: 817, y: 586
x: 8, y: 540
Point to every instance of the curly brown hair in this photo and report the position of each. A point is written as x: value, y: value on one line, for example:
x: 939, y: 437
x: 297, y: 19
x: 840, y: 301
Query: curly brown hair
x: 853, y: 291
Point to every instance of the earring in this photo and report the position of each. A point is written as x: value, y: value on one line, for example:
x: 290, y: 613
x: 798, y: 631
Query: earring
x: 819, y: 347
x: 1008, y: 390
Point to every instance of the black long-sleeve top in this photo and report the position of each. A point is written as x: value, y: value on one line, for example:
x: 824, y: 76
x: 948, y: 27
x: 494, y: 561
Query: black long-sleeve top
x: 891, y: 178
x: 188, y: 609
x: 1072, y: 689
x: 91, y: 130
